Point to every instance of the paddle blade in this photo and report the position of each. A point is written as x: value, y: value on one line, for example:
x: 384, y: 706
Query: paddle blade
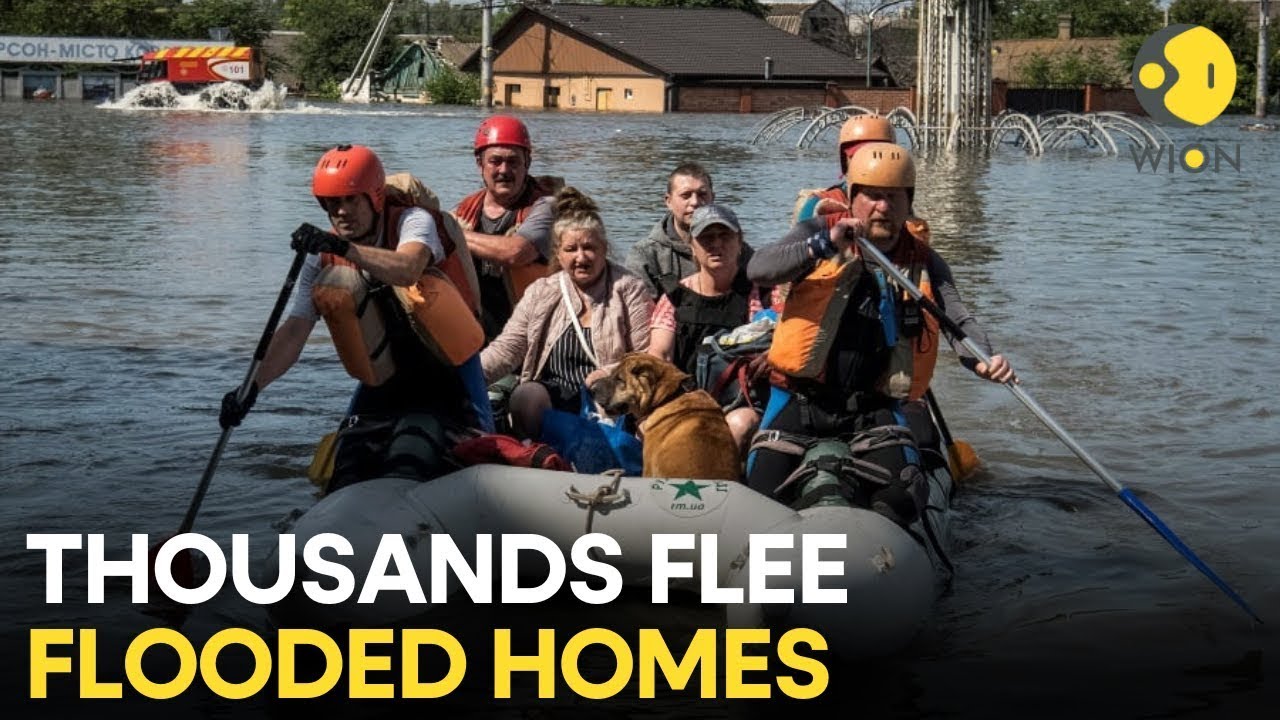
x: 1158, y: 525
x: 963, y: 460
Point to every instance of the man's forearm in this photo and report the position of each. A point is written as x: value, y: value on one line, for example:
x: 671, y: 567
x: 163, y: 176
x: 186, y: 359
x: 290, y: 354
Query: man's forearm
x: 400, y: 267
x: 507, y: 250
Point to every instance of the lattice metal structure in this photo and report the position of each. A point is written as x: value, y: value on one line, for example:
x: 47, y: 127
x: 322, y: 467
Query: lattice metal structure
x: 818, y: 121
x: 1061, y: 130
x: 953, y: 95
x: 778, y: 123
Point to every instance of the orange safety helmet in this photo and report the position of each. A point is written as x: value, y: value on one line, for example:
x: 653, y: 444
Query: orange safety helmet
x: 502, y: 130
x: 862, y: 129
x: 882, y: 164
x: 350, y: 170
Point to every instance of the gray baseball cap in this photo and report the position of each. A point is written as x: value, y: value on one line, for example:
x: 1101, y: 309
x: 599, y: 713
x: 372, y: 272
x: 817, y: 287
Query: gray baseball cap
x: 713, y: 214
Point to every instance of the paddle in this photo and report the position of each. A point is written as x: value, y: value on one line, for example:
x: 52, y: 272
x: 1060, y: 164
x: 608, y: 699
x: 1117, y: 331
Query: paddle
x: 1124, y: 493
x: 184, y: 573
x: 962, y: 458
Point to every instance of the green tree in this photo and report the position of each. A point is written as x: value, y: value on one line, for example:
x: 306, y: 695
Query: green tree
x: 1093, y: 66
x: 452, y: 87
x: 1036, y: 71
x: 108, y: 18
x: 335, y: 33
x: 445, y: 18
x: 1070, y: 69
x: 751, y: 6
x: 1012, y: 19
x: 248, y: 20
x: 1039, y: 18
x: 1230, y: 21
x: 1110, y: 19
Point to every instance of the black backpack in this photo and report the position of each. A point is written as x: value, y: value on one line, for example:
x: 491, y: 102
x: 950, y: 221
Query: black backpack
x: 723, y: 364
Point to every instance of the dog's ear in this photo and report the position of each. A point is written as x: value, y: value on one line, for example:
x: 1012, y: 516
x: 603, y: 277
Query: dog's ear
x: 638, y: 365
x: 668, y: 382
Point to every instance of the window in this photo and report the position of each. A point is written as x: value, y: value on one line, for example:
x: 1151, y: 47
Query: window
x: 551, y: 97
x: 626, y: 93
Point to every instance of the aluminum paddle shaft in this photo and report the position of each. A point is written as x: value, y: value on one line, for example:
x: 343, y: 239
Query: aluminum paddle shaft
x: 1125, y: 494
x: 250, y: 376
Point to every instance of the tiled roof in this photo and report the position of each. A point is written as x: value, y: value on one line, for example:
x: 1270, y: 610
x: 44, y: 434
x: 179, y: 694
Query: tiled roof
x: 691, y: 42
x: 785, y: 23
x: 1008, y: 56
x: 455, y: 52
x: 786, y: 9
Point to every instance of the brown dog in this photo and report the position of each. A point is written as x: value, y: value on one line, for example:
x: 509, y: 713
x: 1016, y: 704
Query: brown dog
x: 684, y: 432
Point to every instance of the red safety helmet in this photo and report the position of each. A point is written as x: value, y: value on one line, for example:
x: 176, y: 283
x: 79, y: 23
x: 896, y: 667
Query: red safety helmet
x: 861, y: 129
x: 502, y: 130
x: 350, y: 170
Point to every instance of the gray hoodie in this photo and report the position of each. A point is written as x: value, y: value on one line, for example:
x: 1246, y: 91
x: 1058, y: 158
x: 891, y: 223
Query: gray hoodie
x: 663, y: 259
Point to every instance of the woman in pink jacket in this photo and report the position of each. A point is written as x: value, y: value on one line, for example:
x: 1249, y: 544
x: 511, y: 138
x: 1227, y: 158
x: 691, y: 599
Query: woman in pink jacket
x: 572, y: 326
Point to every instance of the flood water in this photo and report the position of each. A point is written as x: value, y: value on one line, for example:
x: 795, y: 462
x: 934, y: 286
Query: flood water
x: 140, y: 253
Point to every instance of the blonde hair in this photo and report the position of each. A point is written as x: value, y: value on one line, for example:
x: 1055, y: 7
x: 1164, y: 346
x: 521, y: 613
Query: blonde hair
x: 575, y: 211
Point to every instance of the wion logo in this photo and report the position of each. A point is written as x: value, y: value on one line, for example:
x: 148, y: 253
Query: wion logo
x: 1184, y: 75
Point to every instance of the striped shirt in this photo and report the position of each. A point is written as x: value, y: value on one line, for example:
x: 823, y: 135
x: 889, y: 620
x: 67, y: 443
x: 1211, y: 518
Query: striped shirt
x: 568, y: 365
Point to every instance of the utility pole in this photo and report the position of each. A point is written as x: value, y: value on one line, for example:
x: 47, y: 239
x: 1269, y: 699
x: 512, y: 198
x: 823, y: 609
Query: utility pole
x: 486, y: 54
x: 1264, y: 19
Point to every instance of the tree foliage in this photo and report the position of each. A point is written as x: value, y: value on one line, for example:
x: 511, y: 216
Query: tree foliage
x: 335, y: 33
x: 445, y: 18
x: 248, y: 20
x: 1070, y: 69
x: 1230, y: 21
x: 106, y: 18
x: 1090, y: 18
x: 751, y: 6
x: 452, y: 87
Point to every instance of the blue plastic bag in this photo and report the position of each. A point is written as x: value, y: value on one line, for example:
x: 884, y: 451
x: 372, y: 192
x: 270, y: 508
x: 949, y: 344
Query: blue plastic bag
x: 592, y: 445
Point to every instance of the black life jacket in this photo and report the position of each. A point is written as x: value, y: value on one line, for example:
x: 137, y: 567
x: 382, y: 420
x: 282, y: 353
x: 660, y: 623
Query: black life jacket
x: 860, y: 354
x: 699, y: 316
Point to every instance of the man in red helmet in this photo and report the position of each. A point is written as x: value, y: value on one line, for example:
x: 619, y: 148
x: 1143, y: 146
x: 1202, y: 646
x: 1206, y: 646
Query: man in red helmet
x: 392, y: 245
x: 509, y: 243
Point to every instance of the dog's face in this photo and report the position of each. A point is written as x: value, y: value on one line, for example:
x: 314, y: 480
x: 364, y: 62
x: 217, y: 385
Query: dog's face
x: 639, y: 383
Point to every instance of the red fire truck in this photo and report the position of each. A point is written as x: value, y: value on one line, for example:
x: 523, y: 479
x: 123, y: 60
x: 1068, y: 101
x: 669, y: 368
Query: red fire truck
x: 192, y: 68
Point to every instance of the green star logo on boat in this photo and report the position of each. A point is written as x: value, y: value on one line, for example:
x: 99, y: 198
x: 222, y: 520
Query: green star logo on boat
x: 691, y: 498
x: 688, y: 487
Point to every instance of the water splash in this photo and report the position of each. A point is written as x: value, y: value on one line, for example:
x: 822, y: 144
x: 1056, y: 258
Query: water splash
x: 221, y: 96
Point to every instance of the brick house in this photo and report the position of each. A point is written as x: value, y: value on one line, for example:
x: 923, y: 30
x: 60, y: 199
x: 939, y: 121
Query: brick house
x: 662, y: 59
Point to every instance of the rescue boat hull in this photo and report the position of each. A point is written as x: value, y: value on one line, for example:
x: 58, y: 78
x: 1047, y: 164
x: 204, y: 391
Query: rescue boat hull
x: 891, y: 578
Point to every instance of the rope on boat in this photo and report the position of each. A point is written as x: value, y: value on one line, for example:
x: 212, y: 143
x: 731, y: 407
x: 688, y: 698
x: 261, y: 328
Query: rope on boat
x: 605, y: 496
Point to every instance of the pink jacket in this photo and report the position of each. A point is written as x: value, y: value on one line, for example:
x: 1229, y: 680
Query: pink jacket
x: 621, y: 306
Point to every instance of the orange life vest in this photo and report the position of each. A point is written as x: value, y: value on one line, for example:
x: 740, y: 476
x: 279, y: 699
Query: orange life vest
x: 439, y: 314
x: 516, y: 279
x: 803, y: 338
